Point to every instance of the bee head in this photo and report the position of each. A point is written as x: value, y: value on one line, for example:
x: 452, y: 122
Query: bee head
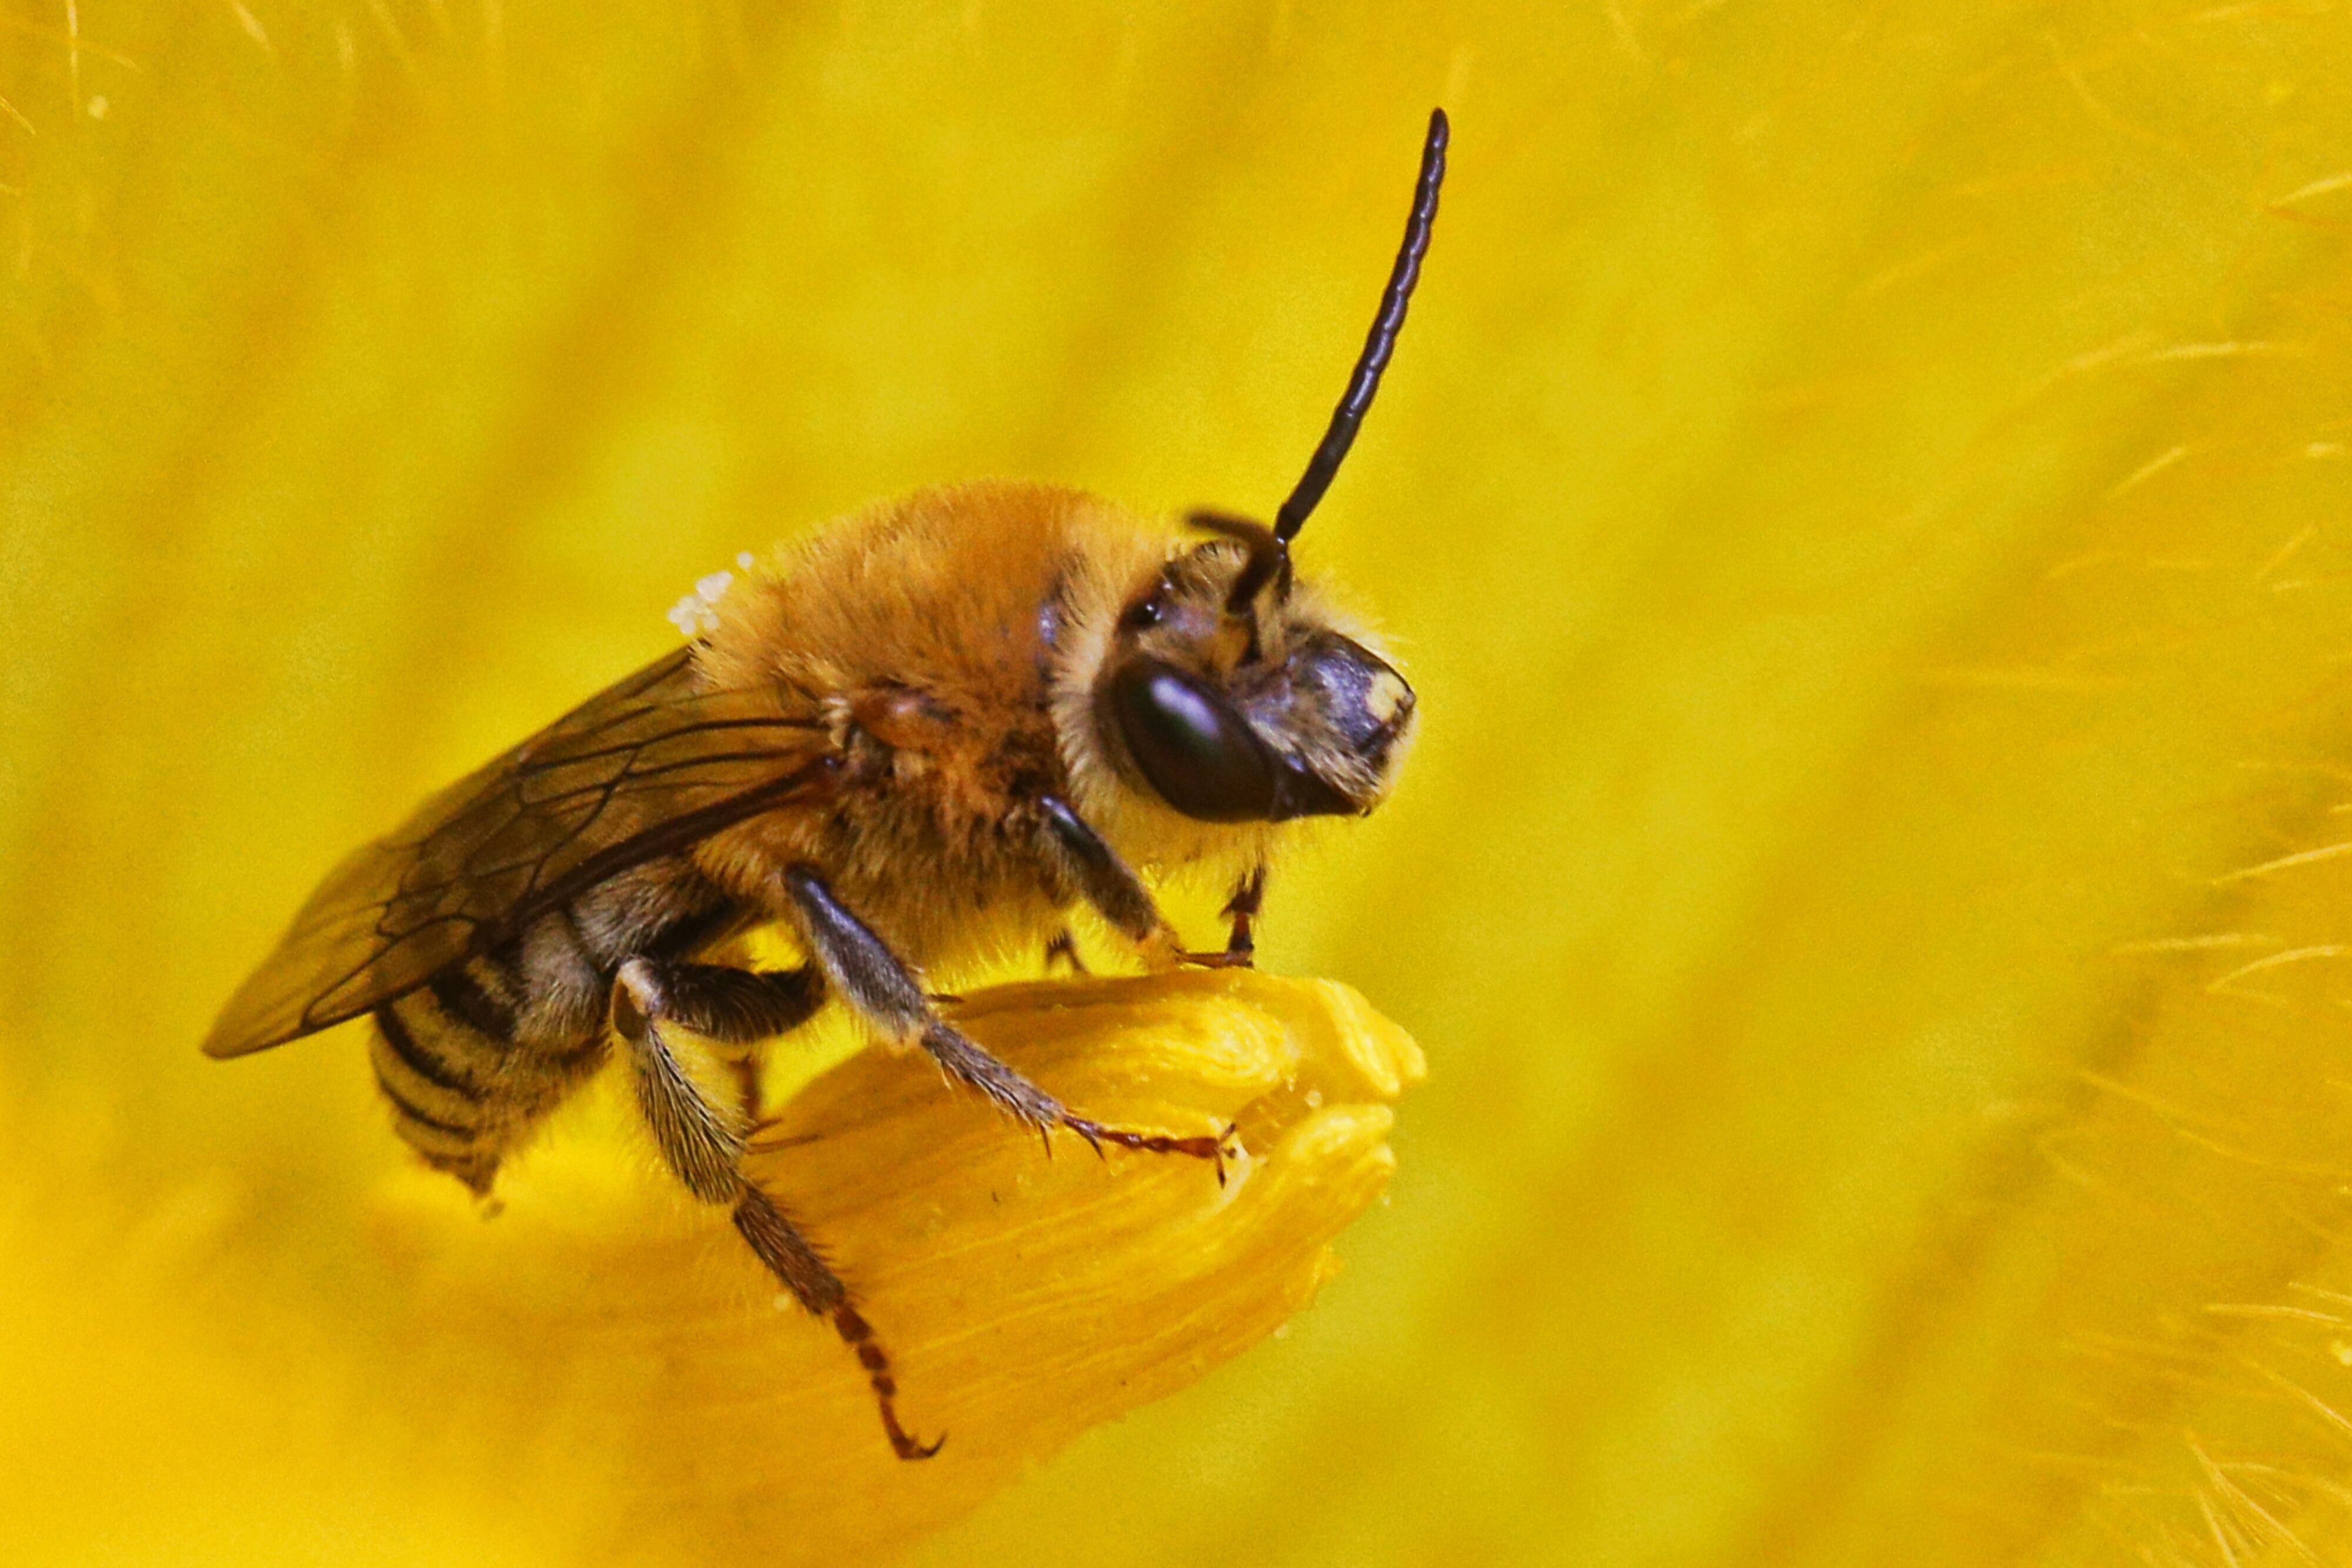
x: 1225, y: 691
x: 1232, y: 699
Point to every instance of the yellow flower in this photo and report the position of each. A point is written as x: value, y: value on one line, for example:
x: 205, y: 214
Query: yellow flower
x: 602, y: 1326
x: 1863, y: 498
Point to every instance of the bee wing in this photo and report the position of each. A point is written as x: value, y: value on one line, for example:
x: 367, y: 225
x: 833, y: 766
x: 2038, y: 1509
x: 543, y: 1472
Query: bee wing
x: 640, y: 771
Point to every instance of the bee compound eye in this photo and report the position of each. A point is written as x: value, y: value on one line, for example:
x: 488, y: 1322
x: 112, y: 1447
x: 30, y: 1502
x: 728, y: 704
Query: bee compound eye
x: 1191, y: 747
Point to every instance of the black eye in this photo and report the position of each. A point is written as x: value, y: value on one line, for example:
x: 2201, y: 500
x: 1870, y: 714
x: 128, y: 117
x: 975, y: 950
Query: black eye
x: 1146, y: 613
x: 1191, y: 747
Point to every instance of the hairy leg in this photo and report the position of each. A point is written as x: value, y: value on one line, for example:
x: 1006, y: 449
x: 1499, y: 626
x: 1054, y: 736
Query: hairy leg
x: 703, y: 1142
x: 874, y: 980
x: 1078, y: 862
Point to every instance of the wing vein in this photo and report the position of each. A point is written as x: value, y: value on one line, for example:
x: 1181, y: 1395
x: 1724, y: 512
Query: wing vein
x: 645, y: 769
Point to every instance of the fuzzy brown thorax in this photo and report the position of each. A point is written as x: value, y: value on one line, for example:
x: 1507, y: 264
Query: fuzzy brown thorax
x: 970, y: 648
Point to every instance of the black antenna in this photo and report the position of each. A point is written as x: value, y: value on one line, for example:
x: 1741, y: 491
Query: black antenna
x: 1366, y: 380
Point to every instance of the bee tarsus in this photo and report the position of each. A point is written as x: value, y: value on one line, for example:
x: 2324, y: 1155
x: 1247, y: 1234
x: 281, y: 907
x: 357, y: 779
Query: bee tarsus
x: 1241, y: 910
x: 855, y: 1334
x: 779, y: 1244
x: 1214, y: 1149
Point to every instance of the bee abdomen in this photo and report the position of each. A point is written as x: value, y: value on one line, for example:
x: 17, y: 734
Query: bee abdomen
x: 437, y: 1106
x: 475, y: 1058
x: 465, y: 1000
x: 465, y: 1089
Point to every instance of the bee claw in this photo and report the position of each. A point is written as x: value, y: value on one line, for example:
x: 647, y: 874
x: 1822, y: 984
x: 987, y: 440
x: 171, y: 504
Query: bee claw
x: 914, y: 1450
x: 1092, y: 1133
x: 855, y: 1332
x: 904, y: 1443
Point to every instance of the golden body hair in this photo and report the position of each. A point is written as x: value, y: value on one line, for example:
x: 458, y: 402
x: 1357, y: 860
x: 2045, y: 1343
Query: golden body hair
x: 941, y: 636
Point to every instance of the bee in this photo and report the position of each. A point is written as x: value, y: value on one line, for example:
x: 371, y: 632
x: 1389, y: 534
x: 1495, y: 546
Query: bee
x: 921, y: 741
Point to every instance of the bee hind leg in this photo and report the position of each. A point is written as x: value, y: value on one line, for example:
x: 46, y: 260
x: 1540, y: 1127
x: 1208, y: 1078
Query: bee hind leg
x: 703, y: 1142
x: 736, y: 1008
x: 779, y: 1244
x: 877, y: 983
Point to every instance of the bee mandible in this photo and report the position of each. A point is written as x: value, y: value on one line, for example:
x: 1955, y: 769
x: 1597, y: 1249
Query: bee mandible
x: 918, y: 742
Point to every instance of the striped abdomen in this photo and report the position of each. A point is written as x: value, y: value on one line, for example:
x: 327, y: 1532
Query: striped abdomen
x: 475, y: 1058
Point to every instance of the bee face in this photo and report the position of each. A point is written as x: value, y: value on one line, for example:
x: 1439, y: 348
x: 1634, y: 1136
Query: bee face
x: 1232, y: 699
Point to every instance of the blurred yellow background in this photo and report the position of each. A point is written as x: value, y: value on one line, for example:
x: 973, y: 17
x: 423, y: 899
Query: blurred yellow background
x: 1863, y: 497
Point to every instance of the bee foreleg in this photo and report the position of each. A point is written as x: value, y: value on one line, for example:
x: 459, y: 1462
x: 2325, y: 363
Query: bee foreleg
x: 1241, y: 912
x: 704, y: 1145
x: 1082, y: 862
x: 877, y: 983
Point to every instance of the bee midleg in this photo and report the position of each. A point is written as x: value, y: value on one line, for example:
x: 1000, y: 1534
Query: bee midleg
x: 877, y: 983
x: 703, y: 1142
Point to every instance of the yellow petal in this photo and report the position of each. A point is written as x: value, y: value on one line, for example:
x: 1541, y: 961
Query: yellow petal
x: 1022, y: 1299
x: 604, y: 1359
